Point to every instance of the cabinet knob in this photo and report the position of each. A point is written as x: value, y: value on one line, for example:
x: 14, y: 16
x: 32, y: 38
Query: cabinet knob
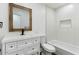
x: 17, y: 54
x: 36, y: 40
x: 25, y: 42
x: 32, y: 48
x: 11, y: 46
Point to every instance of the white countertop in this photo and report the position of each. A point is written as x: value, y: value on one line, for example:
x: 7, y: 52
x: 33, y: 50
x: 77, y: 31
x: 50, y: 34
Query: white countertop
x: 14, y: 36
x: 65, y: 46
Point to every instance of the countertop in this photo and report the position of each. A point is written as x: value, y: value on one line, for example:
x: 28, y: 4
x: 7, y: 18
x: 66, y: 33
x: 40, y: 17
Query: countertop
x: 17, y: 36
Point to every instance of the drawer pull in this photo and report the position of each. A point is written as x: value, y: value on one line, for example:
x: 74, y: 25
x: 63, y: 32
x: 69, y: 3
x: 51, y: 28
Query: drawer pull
x: 25, y: 42
x: 17, y: 54
x: 11, y: 46
x: 36, y: 40
x: 32, y: 48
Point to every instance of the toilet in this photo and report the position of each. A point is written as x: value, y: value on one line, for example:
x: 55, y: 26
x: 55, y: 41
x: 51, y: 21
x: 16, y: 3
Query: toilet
x: 47, y: 49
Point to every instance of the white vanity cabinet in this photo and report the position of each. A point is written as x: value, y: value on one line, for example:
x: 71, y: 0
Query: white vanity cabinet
x: 21, y: 46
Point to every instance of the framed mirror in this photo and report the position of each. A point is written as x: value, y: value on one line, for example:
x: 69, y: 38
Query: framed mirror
x: 20, y: 18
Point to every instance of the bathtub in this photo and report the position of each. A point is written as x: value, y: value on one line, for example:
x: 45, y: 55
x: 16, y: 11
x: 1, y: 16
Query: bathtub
x: 63, y: 48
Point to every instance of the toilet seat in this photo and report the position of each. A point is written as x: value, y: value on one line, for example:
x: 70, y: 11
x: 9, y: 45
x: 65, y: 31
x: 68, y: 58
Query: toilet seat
x: 48, y: 47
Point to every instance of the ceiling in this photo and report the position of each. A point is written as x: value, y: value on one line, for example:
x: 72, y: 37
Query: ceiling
x: 55, y: 5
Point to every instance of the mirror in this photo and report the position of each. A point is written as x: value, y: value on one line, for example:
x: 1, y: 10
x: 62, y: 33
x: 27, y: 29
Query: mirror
x: 19, y: 18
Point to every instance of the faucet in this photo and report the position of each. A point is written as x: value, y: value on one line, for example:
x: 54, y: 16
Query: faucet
x: 22, y: 32
x: 23, y: 29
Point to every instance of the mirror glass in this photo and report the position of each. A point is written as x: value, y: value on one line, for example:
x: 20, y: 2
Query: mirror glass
x: 20, y: 18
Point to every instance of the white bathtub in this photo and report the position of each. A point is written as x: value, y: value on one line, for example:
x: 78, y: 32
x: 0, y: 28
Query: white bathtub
x: 64, y: 48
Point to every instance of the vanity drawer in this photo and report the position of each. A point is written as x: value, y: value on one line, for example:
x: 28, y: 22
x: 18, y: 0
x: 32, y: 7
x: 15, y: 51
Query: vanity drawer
x: 10, y: 47
x: 29, y: 51
x: 13, y: 53
x: 19, y: 52
x: 24, y: 44
x: 34, y: 47
x: 34, y: 50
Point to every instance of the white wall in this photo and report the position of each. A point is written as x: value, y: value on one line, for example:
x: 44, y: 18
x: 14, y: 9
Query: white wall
x: 51, y: 24
x: 70, y: 35
x: 4, y: 17
x: 38, y: 17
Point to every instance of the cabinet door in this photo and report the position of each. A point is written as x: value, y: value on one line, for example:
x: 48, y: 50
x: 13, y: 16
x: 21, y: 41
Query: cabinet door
x: 34, y: 49
x: 10, y: 47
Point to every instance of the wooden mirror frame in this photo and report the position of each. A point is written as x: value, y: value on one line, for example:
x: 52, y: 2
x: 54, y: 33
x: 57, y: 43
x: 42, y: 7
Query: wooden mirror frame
x: 11, y: 5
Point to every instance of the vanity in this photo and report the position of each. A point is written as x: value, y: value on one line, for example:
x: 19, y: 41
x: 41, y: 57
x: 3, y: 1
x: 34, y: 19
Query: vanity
x: 15, y: 44
x: 21, y: 40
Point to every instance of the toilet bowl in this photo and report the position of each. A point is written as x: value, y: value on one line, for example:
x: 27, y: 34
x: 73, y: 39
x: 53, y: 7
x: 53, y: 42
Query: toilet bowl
x: 49, y: 48
x: 45, y: 47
